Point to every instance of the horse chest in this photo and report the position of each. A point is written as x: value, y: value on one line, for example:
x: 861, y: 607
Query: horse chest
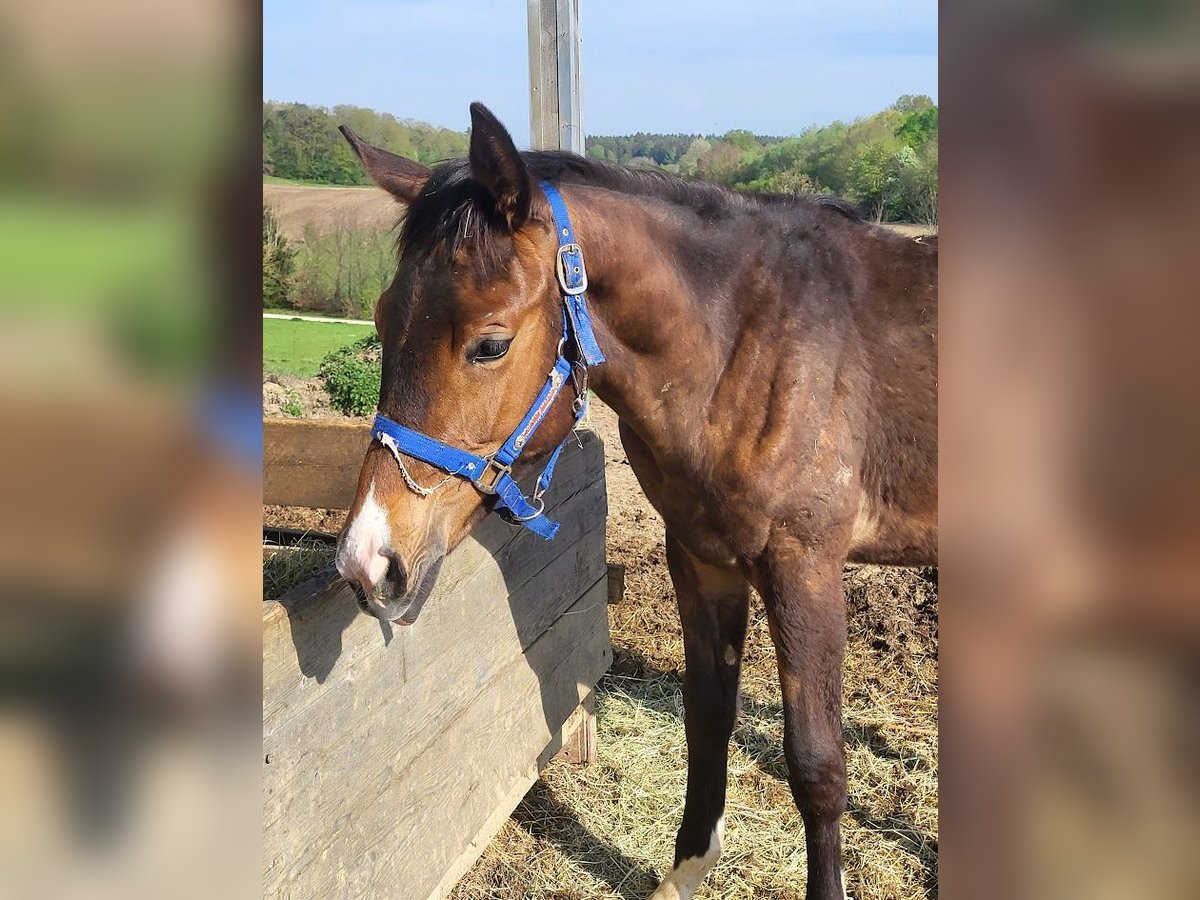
x: 715, y: 529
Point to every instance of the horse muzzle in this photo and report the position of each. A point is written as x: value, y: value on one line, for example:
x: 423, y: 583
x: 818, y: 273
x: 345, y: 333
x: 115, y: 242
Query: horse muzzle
x: 388, y: 588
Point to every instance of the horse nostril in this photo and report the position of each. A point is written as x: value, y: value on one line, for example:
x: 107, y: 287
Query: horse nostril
x: 396, y: 575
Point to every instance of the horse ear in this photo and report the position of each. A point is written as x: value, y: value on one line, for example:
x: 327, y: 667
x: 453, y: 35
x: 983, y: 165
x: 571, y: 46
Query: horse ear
x: 497, y: 165
x: 400, y: 177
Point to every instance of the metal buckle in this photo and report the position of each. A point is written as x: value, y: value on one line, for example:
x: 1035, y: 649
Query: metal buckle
x: 493, y: 471
x: 562, y: 269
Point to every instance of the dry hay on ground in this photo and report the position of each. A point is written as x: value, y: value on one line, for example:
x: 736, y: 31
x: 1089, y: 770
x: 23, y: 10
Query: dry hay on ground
x: 327, y: 208
x: 607, y: 831
x: 328, y: 521
x: 910, y: 229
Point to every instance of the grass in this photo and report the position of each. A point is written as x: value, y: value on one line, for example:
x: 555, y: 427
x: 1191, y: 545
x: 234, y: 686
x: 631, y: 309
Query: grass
x: 286, y: 567
x: 296, y: 348
x: 308, y: 313
x: 75, y: 253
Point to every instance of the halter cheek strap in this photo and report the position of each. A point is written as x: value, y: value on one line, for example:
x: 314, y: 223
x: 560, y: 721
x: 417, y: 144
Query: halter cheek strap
x: 492, y: 474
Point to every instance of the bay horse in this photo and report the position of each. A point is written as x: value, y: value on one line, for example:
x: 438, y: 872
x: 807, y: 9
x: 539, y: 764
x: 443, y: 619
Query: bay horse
x: 773, y: 363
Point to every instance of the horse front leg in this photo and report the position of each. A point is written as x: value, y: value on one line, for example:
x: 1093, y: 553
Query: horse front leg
x: 806, y: 610
x: 713, y: 608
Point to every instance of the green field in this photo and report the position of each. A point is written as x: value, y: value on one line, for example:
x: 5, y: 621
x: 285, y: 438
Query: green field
x: 307, y: 313
x: 297, y: 348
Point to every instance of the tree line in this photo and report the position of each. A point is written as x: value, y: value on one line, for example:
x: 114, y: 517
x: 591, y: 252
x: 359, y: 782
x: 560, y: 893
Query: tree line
x: 302, y: 142
x: 887, y: 163
x: 340, y: 270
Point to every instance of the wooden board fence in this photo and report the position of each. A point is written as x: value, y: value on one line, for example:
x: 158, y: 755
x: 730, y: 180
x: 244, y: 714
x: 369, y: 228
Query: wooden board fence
x: 393, y: 754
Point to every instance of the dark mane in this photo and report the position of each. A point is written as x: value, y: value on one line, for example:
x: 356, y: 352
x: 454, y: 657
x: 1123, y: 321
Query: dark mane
x: 454, y: 210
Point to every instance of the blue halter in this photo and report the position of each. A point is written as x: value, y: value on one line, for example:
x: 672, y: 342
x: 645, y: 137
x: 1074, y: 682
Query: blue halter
x: 493, y: 474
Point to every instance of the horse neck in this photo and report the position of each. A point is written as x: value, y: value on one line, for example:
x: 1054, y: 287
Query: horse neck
x: 664, y: 351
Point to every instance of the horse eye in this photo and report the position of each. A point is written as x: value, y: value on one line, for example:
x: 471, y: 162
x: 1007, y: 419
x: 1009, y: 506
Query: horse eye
x: 489, y: 349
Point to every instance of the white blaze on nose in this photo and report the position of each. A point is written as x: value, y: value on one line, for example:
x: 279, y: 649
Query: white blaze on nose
x: 359, y: 558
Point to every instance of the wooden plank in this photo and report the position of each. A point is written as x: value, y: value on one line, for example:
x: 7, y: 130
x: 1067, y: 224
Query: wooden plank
x: 555, y: 112
x: 341, y: 717
x: 488, y: 830
x: 313, y: 463
x: 521, y: 785
x: 369, y: 826
x: 393, y: 754
x: 570, y: 112
x: 616, y: 583
x: 577, y: 740
x: 499, y: 581
x: 542, y: 21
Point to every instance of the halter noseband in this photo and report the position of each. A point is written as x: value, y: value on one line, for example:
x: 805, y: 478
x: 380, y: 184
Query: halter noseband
x: 492, y: 474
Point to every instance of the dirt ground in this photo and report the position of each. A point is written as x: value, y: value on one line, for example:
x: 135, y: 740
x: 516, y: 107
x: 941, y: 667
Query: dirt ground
x: 369, y: 207
x: 607, y: 831
x: 296, y: 205
x: 286, y: 396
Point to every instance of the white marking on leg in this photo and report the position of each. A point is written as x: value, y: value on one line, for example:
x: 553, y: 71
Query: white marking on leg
x: 358, y: 558
x: 731, y: 655
x: 686, y: 877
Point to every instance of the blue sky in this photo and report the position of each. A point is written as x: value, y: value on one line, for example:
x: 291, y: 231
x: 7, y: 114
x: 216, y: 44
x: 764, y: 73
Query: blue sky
x: 648, y: 65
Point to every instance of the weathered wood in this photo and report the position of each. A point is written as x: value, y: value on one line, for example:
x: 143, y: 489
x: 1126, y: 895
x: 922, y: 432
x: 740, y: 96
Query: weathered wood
x: 616, y: 582
x: 487, y: 831
x: 582, y: 714
x: 578, y: 737
x: 312, y: 462
x: 386, y: 823
x: 473, y: 638
x: 555, y: 112
x: 393, y: 754
x: 498, y: 581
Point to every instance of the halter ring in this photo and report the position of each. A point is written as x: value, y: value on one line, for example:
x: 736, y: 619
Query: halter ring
x: 541, y: 508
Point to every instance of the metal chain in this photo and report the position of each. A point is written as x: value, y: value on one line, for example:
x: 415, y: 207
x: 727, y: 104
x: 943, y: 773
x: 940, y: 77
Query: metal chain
x: 579, y: 375
x: 390, y: 442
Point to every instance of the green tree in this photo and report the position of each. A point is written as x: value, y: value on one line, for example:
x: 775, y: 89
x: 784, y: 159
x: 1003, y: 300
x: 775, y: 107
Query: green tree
x: 911, y: 103
x: 919, y: 127
x: 689, y: 163
x: 741, y: 138
x: 721, y: 163
x: 279, y: 263
x: 887, y: 161
x: 915, y: 196
x: 303, y: 142
x: 870, y: 174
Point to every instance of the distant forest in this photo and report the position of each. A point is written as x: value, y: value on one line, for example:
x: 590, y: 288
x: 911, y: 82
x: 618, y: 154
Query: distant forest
x: 303, y: 143
x: 886, y: 163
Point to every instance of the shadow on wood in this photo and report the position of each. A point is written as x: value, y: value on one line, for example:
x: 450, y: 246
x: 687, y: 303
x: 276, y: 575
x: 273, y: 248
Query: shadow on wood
x: 396, y: 755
